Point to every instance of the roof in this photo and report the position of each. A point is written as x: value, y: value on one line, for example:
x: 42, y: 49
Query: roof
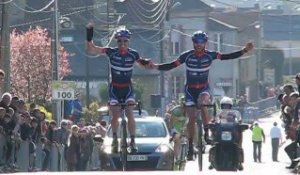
x: 215, y: 23
x: 193, y: 5
x: 235, y: 19
x: 281, y: 27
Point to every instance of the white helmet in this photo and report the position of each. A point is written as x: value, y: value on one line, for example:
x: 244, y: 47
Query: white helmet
x: 226, y: 100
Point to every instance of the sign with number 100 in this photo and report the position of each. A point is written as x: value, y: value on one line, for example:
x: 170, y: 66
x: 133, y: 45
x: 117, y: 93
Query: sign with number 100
x: 63, y: 90
x: 63, y: 95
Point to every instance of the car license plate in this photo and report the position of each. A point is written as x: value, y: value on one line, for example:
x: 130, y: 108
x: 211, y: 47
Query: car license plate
x: 137, y: 158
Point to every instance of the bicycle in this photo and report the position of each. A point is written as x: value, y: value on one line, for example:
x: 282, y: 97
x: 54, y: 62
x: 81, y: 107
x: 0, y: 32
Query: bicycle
x: 200, y: 145
x: 183, y: 152
x: 124, y: 146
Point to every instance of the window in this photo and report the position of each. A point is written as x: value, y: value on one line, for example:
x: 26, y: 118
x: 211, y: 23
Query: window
x: 218, y: 42
x: 176, y: 85
x: 175, y: 48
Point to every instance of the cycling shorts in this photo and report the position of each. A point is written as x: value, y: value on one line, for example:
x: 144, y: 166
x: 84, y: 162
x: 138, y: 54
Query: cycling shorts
x: 120, y: 94
x: 192, y: 94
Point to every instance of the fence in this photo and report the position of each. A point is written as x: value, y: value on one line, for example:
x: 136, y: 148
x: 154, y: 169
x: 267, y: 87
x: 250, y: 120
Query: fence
x: 258, y: 109
x: 23, y: 160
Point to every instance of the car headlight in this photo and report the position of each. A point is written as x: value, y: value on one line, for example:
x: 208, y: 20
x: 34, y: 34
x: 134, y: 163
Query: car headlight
x: 162, y: 149
x: 226, y: 136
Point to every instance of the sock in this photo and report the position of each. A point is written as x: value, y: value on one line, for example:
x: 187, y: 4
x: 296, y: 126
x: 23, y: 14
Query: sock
x: 132, y: 138
x: 115, y: 135
x: 206, y: 131
x: 191, y: 147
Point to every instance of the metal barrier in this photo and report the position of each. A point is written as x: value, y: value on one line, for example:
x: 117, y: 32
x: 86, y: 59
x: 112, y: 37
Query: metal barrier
x: 266, y: 106
x: 257, y: 109
x: 23, y: 160
x: 2, y: 144
x: 22, y: 156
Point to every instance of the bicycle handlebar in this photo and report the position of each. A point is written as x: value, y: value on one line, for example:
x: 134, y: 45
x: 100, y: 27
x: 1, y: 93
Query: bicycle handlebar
x: 124, y: 104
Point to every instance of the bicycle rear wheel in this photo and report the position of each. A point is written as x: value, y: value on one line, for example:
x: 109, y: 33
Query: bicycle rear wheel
x: 124, y: 147
x: 200, y: 145
x: 182, y: 158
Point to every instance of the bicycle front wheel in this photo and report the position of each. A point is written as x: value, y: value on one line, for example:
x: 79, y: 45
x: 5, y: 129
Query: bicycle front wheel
x: 124, y: 148
x: 200, y: 145
x: 182, y: 159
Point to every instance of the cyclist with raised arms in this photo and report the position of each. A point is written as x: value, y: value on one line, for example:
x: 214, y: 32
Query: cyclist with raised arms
x: 121, y: 59
x: 198, y: 62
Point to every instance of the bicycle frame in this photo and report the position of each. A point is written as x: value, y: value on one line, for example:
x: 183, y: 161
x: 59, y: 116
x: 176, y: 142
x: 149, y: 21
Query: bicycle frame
x: 124, y: 145
x: 123, y: 153
x: 200, y: 144
x: 183, y: 152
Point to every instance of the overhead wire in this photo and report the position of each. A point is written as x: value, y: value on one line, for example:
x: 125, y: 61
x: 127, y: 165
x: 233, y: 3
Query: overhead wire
x: 138, y: 13
x: 149, y: 3
x: 157, y: 41
x: 151, y: 10
x: 35, y: 11
x: 6, y: 2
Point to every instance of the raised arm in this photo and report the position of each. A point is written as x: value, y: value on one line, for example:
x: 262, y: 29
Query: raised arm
x: 91, y: 47
x: 237, y: 54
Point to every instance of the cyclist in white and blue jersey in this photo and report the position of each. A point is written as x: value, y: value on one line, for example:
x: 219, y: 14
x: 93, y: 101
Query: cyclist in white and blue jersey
x: 121, y: 59
x: 198, y: 62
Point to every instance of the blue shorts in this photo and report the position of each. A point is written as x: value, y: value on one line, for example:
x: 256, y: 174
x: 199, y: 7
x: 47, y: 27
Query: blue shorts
x: 192, y: 94
x: 120, y: 94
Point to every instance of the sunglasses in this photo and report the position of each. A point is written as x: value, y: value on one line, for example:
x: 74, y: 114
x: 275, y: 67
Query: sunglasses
x: 120, y: 41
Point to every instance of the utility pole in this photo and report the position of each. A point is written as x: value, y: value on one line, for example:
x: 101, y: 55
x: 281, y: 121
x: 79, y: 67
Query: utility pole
x: 87, y: 81
x: 5, y: 47
x: 162, y: 78
x: 56, y: 105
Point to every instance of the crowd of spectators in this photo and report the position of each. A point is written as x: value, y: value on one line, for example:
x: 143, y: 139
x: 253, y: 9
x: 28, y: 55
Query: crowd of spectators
x: 19, y: 124
x: 290, y: 115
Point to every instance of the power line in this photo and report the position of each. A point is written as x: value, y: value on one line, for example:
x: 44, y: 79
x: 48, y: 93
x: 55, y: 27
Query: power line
x: 6, y: 2
x: 35, y: 11
x: 137, y: 14
x: 151, y: 10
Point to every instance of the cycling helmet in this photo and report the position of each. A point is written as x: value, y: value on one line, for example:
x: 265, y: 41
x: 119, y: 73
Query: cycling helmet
x: 226, y: 103
x: 200, y: 36
x: 122, y: 33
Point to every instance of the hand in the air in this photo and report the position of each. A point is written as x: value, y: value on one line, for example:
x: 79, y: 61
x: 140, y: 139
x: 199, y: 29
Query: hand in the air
x: 249, y: 46
x: 90, y: 25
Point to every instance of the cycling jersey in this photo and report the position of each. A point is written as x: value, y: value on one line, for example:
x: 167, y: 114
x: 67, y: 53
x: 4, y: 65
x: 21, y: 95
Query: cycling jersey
x: 121, y: 66
x: 197, y: 71
x: 178, y: 118
x: 197, y: 67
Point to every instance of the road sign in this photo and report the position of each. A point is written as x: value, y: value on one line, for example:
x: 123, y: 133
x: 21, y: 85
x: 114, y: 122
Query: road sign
x: 63, y: 90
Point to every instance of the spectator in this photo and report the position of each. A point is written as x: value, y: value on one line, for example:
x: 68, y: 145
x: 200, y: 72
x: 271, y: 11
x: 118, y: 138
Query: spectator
x: 297, y: 80
x: 5, y: 101
x: 258, y: 137
x: 84, y: 149
x: 276, y: 139
x: 2, y: 75
x: 73, y: 149
x: 76, y: 108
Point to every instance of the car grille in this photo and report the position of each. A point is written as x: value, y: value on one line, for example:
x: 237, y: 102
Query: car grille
x: 150, y: 164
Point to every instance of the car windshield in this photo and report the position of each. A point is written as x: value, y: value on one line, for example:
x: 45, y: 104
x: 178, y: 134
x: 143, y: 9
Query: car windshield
x: 143, y: 113
x: 145, y: 129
